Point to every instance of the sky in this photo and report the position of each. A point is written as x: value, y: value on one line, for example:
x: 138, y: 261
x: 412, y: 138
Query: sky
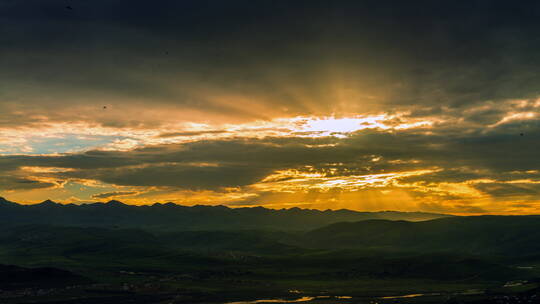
x: 367, y: 105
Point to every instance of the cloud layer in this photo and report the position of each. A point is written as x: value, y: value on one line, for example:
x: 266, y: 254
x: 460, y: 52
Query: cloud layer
x: 367, y: 105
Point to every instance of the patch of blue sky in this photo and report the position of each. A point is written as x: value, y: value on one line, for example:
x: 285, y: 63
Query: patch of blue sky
x: 66, y: 143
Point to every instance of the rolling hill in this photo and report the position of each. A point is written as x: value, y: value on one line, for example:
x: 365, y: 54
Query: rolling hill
x: 485, y: 235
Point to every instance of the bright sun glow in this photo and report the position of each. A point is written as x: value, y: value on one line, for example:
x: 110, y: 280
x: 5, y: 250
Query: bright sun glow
x: 343, y: 125
x: 295, y: 180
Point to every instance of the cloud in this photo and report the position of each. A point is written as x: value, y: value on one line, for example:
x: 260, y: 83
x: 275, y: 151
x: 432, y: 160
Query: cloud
x: 11, y: 183
x: 430, y: 166
x: 113, y: 194
x: 238, y: 61
x: 191, y: 133
x: 196, y: 98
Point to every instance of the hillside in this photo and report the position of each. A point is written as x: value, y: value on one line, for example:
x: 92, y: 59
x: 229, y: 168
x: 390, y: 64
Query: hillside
x: 364, y: 259
x: 486, y: 235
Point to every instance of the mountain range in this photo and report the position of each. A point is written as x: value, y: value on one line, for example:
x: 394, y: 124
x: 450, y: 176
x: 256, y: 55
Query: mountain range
x: 173, y: 217
x: 118, y: 253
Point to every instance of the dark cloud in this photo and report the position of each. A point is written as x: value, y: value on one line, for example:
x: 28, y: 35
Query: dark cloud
x: 113, y: 194
x: 85, y: 160
x: 178, y: 175
x: 10, y: 182
x: 288, y: 57
x: 501, y: 190
x: 467, y: 66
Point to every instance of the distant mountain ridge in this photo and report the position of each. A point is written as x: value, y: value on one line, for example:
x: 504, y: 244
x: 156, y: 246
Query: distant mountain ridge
x: 173, y: 217
x: 487, y: 235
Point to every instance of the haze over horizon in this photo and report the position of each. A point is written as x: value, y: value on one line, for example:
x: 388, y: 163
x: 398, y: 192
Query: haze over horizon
x: 363, y: 105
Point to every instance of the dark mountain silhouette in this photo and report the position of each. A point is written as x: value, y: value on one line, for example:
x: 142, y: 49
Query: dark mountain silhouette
x: 46, y: 204
x: 487, y: 235
x: 172, y: 217
x: 4, y: 202
x: 115, y: 203
x: 203, y: 247
x: 223, y: 228
x: 447, y: 248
